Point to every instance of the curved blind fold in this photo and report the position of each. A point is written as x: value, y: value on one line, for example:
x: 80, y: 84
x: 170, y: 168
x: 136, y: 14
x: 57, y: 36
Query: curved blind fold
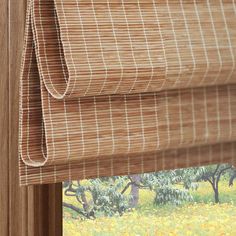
x: 117, y: 87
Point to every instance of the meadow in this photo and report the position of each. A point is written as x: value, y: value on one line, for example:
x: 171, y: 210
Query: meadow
x: 201, y: 217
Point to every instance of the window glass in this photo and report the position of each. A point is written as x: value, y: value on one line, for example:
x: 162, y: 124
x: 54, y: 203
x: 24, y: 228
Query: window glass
x: 190, y: 201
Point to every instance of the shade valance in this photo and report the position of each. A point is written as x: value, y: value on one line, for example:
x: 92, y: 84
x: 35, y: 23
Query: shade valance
x: 120, y: 87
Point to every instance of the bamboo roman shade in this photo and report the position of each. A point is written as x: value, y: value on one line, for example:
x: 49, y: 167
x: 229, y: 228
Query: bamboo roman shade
x: 114, y: 87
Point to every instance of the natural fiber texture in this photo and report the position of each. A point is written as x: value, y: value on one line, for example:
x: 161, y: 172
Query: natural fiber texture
x: 119, y: 87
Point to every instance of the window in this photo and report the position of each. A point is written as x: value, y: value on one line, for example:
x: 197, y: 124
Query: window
x: 182, y: 202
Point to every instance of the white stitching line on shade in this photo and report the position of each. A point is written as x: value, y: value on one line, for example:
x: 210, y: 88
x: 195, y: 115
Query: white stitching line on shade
x: 147, y: 46
x: 142, y: 122
x: 205, y: 113
x: 117, y: 48
x: 86, y: 52
x: 52, y: 128
x: 217, y: 43
x: 100, y: 43
x: 36, y: 38
x: 167, y: 118
x: 218, y: 113
x: 41, y: 28
x: 176, y: 44
x: 180, y: 117
x: 70, y: 52
x: 98, y: 138
x: 112, y: 126
x: 229, y: 41
x: 64, y: 104
x: 28, y: 106
x: 67, y: 130
x: 81, y: 127
x: 203, y: 43
x: 162, y: 43
x: 97, y: 126
x: 230, y: 113
x: 60, y: 48
x: 127, y: 123
x: 193, y: 116
x: 190, y: 44
x: 157, y: 122
x: 130, y: 40
x: 39, y: 66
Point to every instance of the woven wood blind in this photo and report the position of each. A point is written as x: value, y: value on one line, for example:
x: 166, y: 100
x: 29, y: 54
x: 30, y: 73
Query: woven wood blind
x: 114, y: 87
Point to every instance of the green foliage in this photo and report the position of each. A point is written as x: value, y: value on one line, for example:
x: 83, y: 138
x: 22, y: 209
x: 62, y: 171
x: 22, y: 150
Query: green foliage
x: 172, y: 187
x: 107, y: 198
x: 172, y: 195
x: 112, y: 196
x: 100, y: 197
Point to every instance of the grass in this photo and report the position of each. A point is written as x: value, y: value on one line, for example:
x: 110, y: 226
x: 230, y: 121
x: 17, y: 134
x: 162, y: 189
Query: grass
x: 196, y: 219
x: 201, y: 218
x: 204, y: 194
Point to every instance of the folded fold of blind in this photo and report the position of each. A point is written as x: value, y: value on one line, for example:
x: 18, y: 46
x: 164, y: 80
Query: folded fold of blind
x: 118, y: 87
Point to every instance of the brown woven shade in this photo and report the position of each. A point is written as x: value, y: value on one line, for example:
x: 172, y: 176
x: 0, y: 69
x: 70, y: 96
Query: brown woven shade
x: 117, y: 87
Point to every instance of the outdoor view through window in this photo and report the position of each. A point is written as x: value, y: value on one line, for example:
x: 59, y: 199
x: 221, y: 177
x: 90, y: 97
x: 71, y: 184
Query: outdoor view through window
x: 190, y: 201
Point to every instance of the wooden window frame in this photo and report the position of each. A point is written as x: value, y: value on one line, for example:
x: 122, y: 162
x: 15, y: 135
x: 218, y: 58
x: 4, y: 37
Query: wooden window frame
x: 24, y: 211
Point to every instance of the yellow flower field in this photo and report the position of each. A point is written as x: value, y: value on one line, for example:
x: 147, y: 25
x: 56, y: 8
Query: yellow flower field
x: 196, y: 219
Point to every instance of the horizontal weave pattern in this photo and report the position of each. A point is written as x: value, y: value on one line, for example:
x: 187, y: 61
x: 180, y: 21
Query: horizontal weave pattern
x: 127, y: 164
x: 114, y: 87
x: 122, y: 47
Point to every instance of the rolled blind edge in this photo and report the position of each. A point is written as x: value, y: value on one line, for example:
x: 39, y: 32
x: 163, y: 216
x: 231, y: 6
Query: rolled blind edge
x: 64, y: 78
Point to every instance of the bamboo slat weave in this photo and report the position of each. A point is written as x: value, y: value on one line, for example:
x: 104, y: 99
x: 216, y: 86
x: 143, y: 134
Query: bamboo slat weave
x: 118, y: 87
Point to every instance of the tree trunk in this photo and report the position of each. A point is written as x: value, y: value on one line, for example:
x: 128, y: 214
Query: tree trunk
x: 231, y: 180
x: 84, y: 200
x: 216, y: 192
x: 134, y: 192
